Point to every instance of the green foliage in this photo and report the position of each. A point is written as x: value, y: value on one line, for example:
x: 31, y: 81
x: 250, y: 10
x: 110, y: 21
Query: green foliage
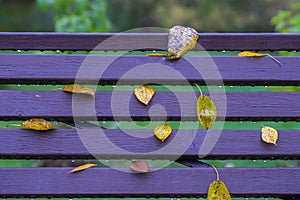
x: 77, y: 15
x: 23, y: 16
x: 288, y: 21
x: 202, y: 15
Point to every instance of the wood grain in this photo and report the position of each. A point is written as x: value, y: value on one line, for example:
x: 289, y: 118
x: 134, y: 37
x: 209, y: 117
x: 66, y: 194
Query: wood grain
x: 144, y: 41
x: 183, y: 144
x: 87, y: 142
x: 169, y: 182
x: 120, y: 105
x: 232, y: 70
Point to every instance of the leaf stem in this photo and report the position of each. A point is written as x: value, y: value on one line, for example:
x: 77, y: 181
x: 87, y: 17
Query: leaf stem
x: 217, y: 173
x: 278, y: 62
x: 198, y: 88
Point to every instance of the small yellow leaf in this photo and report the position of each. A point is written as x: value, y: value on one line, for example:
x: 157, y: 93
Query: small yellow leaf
x: 218, y: 191
x: 180, y: 40
x: 76, y: 88
x: 155, y: 55
x: 144, y: 93
x: 251, y: 54
x: 140, y: 166
x: 82, y: 167
x: 206, y: 111
x: 269, y: 135
x: 162, y: 131
x: 35, y: 124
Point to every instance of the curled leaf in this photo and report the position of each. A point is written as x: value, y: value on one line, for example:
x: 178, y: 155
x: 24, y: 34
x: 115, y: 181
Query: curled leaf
x: 35, y: 124
x: 180, y: 40
x: 269, y: 135
x: 218, y: 191
x: 206, y: 110
x: 82, y: 167
x: 80, y: 89
x: 155, y: 55
x: 252, y: 54
x: 140, y: 166
x: 144, y: 93
x: 162, y: 131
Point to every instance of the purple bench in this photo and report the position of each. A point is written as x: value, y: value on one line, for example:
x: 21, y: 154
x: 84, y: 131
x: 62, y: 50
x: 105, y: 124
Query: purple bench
x: 192, y: 181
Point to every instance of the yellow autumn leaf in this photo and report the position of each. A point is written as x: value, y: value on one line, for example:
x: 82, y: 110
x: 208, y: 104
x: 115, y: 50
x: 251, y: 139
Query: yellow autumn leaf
x: 252, y: 54
x: 180, y: 40
x: 206, y: 110
x: 269, y: 135
x: 80, y: 89
x: 82, y: 167
x: 218, y: 191
x: 155, y: 55
x: 144, y: 93
x: 140, y: 166
x: 162, y: 131
x: 35, y: 124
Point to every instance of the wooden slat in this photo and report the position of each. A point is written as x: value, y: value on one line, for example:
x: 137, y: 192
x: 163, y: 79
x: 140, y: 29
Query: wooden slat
x: 96, y: 182
x: 138, y: 41
x: 119, y: 105
x: 183, y: 144
x: 55, y: 69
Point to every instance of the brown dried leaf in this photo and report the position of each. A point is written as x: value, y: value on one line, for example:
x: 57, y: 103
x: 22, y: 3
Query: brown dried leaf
x: 180, y: 40
x: 80, y: 89
x: 144, y: 93
x: 82, y: 167
x: 139, y: 166
x: 269, y: 135
x: 162, y: 131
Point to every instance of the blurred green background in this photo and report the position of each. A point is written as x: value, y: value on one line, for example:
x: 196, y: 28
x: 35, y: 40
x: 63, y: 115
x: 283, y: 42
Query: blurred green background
x: 122, y: 15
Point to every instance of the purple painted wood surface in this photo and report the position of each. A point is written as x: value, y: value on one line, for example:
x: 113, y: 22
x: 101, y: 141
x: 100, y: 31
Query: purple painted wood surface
x: 54, y: 69
x: 120, y: 105
x: 183, y: 144
x: 137, y: 41
x: 173, y: 182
